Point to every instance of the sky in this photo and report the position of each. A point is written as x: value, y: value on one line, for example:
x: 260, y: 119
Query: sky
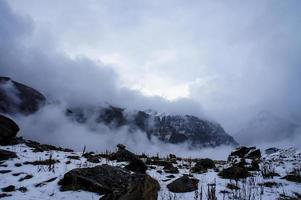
x: 226, y: 61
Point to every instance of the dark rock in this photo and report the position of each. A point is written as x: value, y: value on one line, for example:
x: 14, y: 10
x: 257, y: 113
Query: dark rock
x: 135, y: 164
x: 42, y: 162
x: 28, y: 176
x: 8, y: 130
x: 113, y: 182
x: 294, y: 176
x: 183, y: 184
x: 241, y: 151
x: 235, y: 173
x: 5, y: 155
x: 18, y: 98
x: 271, y: 150
x: 5, y: 171
x: 23, y: 189
x: 45, y: 182
x: 37, y: 147
x: 254, y: 154
x: 170, y: 176
x: 171, y: 169
x: 3, y: 195
x: 18, y: 164
x: 203, y: 165
x: 10, y: 188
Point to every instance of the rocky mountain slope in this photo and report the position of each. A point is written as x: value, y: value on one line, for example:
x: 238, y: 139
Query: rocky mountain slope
x: 18, y: 98
x: 168, y: 128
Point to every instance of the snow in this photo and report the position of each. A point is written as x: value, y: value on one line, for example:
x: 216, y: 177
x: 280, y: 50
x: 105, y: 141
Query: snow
x: 283, y: 162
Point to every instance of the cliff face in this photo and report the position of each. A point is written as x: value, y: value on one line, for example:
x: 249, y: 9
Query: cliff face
x: 168, y: 128
x: 18, y: 98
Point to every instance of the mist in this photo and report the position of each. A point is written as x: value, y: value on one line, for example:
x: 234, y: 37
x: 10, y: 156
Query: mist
x: 222, y: 62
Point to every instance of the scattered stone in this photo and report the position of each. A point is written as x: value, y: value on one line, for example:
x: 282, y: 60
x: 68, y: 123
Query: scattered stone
x: 269, y: 184
x: 183, y: 184
x: 5, y: 155
x: 170, y: 176
x: 294, y: 176
x: 10, y: 188
x: 18, y: 164
x: 232, y: 186
x: 28, y: 176
x: 45, y: 182
x: 113, y: 182
x: 5, y: 171
x: 73, y: 157
x: 23, y: 189
x: 2, y: 195
x: 18, y: 174
x: 42, y: 162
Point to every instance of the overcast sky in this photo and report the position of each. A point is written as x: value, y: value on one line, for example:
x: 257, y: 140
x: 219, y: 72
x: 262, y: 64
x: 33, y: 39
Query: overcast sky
x: 232, y: 59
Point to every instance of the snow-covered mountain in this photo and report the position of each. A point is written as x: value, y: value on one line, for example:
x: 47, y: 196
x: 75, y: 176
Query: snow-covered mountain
x: 168, y: 128
x: 19, y: 98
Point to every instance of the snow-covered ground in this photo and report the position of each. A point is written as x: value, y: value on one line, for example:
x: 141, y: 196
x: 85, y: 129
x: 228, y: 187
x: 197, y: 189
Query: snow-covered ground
x: 282, y: 162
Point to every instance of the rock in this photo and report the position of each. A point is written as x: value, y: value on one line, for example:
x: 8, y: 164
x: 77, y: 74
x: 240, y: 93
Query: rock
x: 8, y: 130
x: 10, y: 188
x: 183, y: 184
x: 18, y: 98
x: 203, y: 165
x: 241, y: 151
x: 235, y: 173
x: 37, y: 147
x: 5, y: 155
x: 245, y: 157
x: 135, y: 164
x: 171, y: 169
x: 271, y: 150
x: 113, y: 182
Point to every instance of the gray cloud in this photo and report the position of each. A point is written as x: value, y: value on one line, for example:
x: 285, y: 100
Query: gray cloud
x: 234, y: 58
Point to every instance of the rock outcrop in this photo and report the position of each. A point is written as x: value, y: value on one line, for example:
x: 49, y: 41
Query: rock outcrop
x: 5, y: 155
x: 168, y: 128
x: 8, y: 130
x: 183, y: 184
x: 112, y: 182
x: 19, y: 98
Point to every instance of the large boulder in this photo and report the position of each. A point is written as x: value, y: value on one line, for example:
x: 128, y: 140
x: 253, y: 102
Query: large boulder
x: 135, y: 164
x: 8, y: 130
x: 203, y: 165
x: 19, y: 98
x: 234, y: 173
x: 112, y: 182
x: 5, y: 155
x: 183, y: 184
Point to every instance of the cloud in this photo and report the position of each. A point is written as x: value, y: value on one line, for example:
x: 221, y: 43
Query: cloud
x: 235, y: 58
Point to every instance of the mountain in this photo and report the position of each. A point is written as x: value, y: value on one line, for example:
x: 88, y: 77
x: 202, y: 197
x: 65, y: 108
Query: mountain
x: 19, y: 98
x: 168, y: 128
x: 269, y: 127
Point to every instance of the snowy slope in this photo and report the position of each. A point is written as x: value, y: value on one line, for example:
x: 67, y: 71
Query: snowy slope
x: 282, y: 161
